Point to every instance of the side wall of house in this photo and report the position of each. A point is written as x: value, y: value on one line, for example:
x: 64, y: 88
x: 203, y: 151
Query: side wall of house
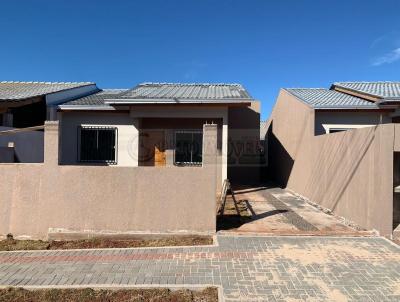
x: 36, y: 198
x: 348, y: 172
x: 244, y: 144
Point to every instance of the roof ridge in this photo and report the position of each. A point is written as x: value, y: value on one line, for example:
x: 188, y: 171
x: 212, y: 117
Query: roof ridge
x: 190, y: 84
x: 312, y: 88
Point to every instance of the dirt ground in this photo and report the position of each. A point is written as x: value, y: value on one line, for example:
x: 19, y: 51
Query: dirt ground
x: 14, y: 245
x: 86, y: 295
x: 272, y: 210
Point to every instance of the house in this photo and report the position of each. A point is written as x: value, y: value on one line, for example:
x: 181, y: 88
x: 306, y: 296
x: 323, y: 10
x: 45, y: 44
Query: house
x: 160, y: 124
x: 150, y: 159
x: 339, y: 147
x: 29, y: 104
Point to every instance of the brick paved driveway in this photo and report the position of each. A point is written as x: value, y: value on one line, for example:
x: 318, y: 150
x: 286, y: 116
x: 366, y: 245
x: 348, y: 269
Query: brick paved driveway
x: 247, y: 268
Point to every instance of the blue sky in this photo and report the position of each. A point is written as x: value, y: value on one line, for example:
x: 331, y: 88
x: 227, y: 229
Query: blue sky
x: 264, y: 45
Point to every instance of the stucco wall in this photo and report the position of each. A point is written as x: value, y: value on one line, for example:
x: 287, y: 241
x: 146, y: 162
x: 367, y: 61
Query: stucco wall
x: 36, y: 197
x: 348, y: 172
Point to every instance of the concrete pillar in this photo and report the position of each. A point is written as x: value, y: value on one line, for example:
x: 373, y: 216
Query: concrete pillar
x: 51, y: 143
x: 210, y: 145
x: 210, y: 151
x: 135, y: 143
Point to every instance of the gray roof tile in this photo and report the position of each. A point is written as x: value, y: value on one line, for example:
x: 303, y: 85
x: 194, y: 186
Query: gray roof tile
x: 191, y: 91
x: 385, y: 90
x: 22, y: 90
x: 321, y: 98
x: 96, y: 99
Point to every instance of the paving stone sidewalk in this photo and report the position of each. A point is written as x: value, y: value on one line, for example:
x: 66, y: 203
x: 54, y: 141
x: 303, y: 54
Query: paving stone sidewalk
x: 247, y: 268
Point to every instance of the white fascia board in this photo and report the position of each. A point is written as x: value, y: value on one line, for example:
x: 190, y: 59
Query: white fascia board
x: 86, y: 107
x: 328, y: 127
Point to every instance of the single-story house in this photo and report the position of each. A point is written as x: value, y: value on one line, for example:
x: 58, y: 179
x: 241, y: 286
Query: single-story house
x: 160, y: 124
x: 340, y: 147
x: 150, y: 159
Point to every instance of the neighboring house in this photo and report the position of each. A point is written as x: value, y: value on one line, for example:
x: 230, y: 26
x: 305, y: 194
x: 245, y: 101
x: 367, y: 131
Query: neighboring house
x: 354, y: 172
x: 29, y: 104
x: 350, y: 105
x: 160, y: 124
x: 26, y: 104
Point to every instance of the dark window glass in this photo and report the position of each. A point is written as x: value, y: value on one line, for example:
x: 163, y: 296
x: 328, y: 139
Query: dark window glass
x: 189, y: 147
x: 98, y: 144
x: 337, y: 130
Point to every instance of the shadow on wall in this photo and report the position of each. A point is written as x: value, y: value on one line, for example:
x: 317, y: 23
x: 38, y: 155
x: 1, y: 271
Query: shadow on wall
x: 244, y: 146
x: 280, y: 163
x: 333, y: 153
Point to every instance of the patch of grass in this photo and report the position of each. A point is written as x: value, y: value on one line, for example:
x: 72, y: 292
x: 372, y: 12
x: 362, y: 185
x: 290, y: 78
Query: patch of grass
x: 15, y: 245
x: 230, y: 219
x: 88, y: 294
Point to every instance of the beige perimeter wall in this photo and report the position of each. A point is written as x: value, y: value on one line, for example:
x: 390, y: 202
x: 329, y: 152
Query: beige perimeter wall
x: 348, y: 172
x: 37, y: 197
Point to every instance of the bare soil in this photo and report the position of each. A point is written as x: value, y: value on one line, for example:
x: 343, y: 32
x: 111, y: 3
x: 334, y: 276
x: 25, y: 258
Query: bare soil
x: 86, y: 295
x: 15, y: 245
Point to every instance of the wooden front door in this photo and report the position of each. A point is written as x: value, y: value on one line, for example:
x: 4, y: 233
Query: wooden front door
x: 159, y: 149
x: 153, y: 148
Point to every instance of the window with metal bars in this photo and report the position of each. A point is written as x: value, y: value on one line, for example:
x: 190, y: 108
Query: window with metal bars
x: 97, y: 144
x: 188, y: 147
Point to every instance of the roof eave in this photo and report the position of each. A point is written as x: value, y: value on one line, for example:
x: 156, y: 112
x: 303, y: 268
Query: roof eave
x: 350, y: 90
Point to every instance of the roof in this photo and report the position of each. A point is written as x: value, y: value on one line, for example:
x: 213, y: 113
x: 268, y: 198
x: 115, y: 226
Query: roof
x: 24, y: 90
x: 182, y: 92
x: 96, y: 99
x: 321, y: 98
x: 384, y: 90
